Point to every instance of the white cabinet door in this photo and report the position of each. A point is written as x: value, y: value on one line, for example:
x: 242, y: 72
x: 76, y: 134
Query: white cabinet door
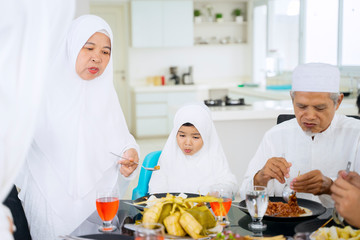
x: 162, y: 23
x: 178, y: 27
x: 146, y: 21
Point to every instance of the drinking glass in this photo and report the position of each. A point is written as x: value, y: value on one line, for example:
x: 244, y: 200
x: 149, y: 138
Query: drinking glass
x: 107, y: 204
x: 257, y: 202
x: 221, y: 209
x: 149, y: 231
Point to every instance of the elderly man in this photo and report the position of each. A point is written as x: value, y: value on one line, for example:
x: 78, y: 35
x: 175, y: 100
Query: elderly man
x: 307, y: 152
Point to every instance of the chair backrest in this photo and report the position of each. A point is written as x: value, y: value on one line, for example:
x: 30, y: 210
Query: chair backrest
x: 142, y: 188
x: 284, y: 117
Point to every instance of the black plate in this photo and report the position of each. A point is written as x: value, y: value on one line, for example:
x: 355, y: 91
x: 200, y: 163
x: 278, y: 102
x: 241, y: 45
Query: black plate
x: 160, y: 195
x: 109, y: 236
x: 315, y: 207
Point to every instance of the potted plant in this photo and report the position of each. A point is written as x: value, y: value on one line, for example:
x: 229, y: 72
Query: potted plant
x: 197, y: 16
x: 218, y: 17
x: 238, y: 15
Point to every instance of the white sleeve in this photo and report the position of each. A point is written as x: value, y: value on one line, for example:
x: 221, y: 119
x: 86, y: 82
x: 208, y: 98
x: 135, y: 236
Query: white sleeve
x: 4, y: 223
x: 225, y: 176
x: 158, y: 181
x: 257, y: 163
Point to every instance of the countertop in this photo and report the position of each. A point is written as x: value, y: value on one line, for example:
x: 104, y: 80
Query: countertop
x: 179, y: 88
x: 269, y: 109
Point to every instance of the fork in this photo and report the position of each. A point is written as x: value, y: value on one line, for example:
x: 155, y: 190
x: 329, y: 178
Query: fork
x: 124, y: 158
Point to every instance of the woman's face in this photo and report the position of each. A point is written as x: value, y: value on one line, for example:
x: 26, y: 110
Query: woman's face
x: 93, y: 57
x: 189, y: 140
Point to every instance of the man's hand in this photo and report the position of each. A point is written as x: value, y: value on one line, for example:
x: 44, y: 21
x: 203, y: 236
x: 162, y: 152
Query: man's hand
x: 312, y: 182
x: 129, y: 164
x: 347, y: 200
x: 275, y: 168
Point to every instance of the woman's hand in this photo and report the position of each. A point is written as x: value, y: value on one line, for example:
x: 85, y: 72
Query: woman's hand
x: 347, y: 200
x: 129, y: 164
x: 275, y: 168
x: 312, y: 182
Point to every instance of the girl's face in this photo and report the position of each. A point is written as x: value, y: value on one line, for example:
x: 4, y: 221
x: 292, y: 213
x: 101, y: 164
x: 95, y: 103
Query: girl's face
x: 93, y: 57
x: 189, y: 140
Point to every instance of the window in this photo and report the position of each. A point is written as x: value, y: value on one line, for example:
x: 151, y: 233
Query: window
x: 331, y: 34
x: 351, y: 33
x: 321, y: 31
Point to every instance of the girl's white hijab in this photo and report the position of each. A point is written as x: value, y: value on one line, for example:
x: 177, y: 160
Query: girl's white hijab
x: 202, y: 166
x: 80, y: 123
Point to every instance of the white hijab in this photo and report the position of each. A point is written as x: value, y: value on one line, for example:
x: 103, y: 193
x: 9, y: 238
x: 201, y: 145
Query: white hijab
x: 29, y: 32
x: 80, y: 123
x: 181, y: 173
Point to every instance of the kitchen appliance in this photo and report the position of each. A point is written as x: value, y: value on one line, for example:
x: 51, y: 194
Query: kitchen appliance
x: 174, y: 78
x: 187, y: 78
x: 213, y: 102
x: 228, y: 102
x: 234, y: 101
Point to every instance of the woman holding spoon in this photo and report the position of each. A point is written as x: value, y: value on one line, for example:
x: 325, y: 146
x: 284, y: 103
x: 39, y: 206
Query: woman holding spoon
x: 80, y: 122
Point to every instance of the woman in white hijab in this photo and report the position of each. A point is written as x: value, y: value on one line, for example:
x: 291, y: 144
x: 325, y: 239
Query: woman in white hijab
x: 80, y: 123
x: 29, y: 31
x: 193, y: 159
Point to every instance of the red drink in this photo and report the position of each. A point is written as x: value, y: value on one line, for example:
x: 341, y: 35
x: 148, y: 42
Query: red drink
x: 107, y: 207
x: 221, y: 208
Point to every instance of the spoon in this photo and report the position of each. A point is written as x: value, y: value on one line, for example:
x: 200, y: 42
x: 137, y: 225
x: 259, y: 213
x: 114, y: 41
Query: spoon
x: 338, y: 219
x: 287, y: 191
x: 151, y: 169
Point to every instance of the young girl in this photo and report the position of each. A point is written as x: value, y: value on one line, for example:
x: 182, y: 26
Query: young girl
x: 193, y: 159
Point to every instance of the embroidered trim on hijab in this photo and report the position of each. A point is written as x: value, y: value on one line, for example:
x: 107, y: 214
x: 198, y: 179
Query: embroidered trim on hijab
x: 316, y: 77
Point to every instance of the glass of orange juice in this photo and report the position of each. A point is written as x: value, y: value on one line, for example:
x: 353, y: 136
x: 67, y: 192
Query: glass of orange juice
x: 149, y: 231
x: 107, y: 204
x: 221, y: 209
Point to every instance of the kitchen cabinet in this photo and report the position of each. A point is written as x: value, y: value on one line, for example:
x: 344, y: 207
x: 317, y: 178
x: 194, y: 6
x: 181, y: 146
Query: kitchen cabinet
x: 154, y: 110
x: 226, y: 32
x: 161, y: 23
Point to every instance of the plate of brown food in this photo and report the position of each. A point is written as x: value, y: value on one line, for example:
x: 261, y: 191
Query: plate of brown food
x: 297, y: 209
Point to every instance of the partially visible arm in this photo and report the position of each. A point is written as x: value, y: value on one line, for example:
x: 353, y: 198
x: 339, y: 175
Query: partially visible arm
x: 7, y: 226
x: 347, y: 200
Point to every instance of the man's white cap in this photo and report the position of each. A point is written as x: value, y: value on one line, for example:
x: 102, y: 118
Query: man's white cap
x: 316, y: 77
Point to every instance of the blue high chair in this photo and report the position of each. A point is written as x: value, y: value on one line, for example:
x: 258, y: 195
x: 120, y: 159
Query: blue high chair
x: 142, y: 188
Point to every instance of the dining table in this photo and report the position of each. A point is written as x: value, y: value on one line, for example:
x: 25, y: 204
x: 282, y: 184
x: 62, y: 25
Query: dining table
x: 239, y: 220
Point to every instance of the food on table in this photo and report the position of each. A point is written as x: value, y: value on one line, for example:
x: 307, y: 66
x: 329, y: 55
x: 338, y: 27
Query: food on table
x: 157, y: 167
x: 335, y: 233
x: 181, y: 216
x: 290, y: 209
x: 229, y: 235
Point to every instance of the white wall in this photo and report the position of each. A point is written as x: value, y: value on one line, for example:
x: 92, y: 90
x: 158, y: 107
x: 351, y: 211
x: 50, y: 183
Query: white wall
x: 82, y: 7
x: 210, y: 63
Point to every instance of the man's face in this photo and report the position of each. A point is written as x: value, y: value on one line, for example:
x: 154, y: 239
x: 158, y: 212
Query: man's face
x: 314, y: 111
